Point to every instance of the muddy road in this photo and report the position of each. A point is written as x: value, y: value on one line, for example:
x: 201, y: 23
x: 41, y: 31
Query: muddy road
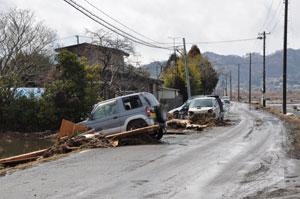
x: 248, y: 159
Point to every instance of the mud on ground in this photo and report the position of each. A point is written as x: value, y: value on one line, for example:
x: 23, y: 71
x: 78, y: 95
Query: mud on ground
x: 292, y: 124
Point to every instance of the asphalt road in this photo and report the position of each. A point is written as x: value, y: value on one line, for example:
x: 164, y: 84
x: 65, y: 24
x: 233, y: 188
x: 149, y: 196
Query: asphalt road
x: 247, y: 159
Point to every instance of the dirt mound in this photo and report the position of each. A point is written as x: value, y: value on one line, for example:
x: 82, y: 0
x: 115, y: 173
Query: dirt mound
x: 207, y: 119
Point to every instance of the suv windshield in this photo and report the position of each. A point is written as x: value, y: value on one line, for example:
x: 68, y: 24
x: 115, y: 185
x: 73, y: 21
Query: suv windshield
x: 202, y: 103
x: 152, y: 101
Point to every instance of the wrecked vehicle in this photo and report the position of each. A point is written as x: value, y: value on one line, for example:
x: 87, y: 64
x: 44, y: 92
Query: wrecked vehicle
x: 127, y: 113
x: 182, y: 110
x: 208, y: 104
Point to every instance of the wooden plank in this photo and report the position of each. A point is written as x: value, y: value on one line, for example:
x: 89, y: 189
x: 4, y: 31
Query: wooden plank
x: 135, y: 131
x: 197, y: 126
x: 22, y: 157
x: 69, y: 129
x: 175, y: 131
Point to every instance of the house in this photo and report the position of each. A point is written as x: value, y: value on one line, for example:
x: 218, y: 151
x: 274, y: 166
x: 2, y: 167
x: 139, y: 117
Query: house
x: 170, y: 97
x: 118, y: 78
x: 95, y: 54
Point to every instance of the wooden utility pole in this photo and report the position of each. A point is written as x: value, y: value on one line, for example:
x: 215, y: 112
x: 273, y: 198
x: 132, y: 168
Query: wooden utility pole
x: 263, y: 37
x: 230, y: 85
x: 250, y: 80
x: 186, y: 71
x: 238, y: 82
x: 77, y: 38
x: 284, y: 58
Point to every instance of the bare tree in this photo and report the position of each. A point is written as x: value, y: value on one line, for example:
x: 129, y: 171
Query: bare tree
x: 25, y: 44
x: 111, y: 68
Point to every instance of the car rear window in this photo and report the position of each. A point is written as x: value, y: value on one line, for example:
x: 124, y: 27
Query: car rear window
x: 202, y: 103
x: 132, y: 102
x: 152, y: 101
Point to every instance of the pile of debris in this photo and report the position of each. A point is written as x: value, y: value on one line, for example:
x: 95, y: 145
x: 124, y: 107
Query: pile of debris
x: 196, y: 122
x: 73, y: 137
x: 68, y: 144
x: 207, y: 119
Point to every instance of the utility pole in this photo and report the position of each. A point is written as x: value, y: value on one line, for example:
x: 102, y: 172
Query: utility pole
x: 226, y: 84
x: 174, y: 59
x: 186, y: 71
x: 230, y: 85
x: 238, y: 82
x: 77, y: 38
x: 250, y: 80
x: 202, y: 78
x: 284, y: 67
x: 264, y: 66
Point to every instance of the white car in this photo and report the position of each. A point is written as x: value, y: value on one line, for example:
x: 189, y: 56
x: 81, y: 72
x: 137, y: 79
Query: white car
x: 206, y: 105
x: 181, y: 110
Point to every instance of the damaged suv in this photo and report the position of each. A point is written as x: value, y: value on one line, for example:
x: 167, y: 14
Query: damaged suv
x: 126, y: 113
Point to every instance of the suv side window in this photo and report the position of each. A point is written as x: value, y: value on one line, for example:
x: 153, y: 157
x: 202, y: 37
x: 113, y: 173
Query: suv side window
x: 132, y: 102
x: 105, y: 110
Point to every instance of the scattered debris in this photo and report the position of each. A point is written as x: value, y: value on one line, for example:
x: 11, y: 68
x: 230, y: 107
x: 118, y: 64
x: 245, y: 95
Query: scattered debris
x: 73, y: 136
x: 207, y: 119
x: 66, y: 144
x: 24, y: 157
x: 196, y: 122
x: 69, y: 129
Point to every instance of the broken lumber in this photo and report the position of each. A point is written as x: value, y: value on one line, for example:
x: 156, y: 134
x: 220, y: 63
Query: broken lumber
x: 133, y: 132
x: 178, y: 123
x: 175, y: 131
x: 69, y: 129
x: 23, y: 157
x: 195, y: 126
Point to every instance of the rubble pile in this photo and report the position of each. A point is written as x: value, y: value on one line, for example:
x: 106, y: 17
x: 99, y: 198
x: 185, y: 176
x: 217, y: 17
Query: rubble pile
x: 66, y: 144
x: 138, y: 139
x: 207, y: 119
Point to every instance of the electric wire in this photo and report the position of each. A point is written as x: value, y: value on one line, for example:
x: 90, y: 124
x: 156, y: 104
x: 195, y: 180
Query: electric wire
x: 137, y: 40
x: 275, y: 15
x: 121, y: 23
x: 269, y: 11
x: 109, y: 26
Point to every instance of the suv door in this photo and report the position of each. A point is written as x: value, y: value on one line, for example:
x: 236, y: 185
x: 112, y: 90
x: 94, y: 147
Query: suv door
x: 106, y: 118
x: 132, y: 106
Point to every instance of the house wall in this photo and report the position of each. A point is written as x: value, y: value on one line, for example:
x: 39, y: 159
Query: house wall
x: 167, y: 94
x: 99, y: 55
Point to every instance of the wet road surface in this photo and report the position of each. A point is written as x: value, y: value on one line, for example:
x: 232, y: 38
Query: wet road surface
x: 247, y: 159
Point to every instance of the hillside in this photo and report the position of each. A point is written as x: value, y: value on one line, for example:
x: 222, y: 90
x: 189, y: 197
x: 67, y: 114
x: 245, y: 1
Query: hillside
x: 225, y: 63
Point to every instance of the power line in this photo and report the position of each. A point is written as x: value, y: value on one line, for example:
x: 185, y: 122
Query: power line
x: 225, y: 41
x: 214, y: 42
x: 277, y: 13
x: 124, y: 34
x: 110, y: 26
x: 269, y: 11
x: 121, y: 23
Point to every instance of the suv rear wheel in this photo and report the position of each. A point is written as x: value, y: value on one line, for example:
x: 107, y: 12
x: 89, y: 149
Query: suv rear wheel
x: 139, y: 123
x: 135, y: 124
